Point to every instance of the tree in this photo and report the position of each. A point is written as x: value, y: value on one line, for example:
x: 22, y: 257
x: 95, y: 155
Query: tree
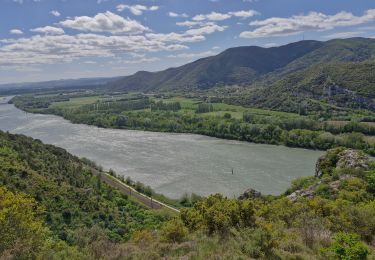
x: 22, y: 232
x: 348, y: 246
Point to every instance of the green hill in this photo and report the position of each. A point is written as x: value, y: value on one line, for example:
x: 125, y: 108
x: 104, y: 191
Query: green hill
x: 73, y: 204
x: 234, y: 66
x: 345, y: 84
x: 336, y: 73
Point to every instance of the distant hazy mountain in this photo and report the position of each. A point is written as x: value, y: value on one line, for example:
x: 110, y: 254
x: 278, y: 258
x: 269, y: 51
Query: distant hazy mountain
x: 341, y: 72
x: 64, y: 83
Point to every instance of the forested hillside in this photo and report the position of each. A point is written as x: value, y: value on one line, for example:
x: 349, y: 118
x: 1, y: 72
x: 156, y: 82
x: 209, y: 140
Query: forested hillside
x: 335, y: 85
x: 59, y: 203
x: 334, y: 73
x: 233, y: 66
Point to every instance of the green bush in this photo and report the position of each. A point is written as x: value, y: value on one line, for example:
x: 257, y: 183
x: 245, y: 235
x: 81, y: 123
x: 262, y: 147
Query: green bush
x: 218, y: 214
x: 347, y: 246
x: 371, y: 182
x: 257, y: 243
x: 174, y: 231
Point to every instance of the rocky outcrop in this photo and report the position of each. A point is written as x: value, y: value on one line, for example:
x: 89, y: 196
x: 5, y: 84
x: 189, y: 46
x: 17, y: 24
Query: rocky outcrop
x: 339, y: 158
x: 352, y: 159
x: 334, y: 159
x: 310, y: 191
x: 250, y: 194
x: 341, y: 96
x: 303, y: 193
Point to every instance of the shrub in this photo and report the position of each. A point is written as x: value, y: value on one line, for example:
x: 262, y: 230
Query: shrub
x: 174, y: 231
x: 218, y: 214
x: 142, y: 238
x: 22, y: 232
x: 371, y: 182
x: 257, y: 243
x: 227, y: 116
x: 348, y: 246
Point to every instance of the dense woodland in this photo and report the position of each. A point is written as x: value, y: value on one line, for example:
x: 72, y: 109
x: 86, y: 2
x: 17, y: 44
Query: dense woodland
x: 70, y: 205
x: 53, y: 207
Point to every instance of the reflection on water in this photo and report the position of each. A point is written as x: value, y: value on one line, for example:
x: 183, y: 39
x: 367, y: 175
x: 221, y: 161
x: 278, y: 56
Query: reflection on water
x: 172, y: 164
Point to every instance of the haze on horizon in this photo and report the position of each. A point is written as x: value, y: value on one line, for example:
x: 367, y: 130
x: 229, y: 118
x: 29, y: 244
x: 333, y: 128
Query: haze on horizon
x: 58, y: 39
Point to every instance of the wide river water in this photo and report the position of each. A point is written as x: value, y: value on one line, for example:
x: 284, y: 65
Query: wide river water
x: 172, y: 164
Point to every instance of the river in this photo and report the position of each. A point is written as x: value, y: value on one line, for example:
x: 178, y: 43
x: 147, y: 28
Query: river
x: 172, y: 164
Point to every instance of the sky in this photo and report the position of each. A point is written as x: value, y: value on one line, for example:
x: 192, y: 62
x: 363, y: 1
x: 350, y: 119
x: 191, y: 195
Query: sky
x: 62, y: 39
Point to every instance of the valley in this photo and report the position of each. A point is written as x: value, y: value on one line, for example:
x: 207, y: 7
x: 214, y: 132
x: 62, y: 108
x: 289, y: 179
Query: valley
x: 253, y: 153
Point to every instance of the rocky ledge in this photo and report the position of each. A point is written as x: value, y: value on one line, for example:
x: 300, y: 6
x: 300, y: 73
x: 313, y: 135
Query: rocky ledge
x: 334, y: 159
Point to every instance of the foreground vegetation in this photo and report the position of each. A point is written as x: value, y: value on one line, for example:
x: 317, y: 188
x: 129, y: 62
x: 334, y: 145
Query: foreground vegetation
x: 51, y: 202
x: 209, y: 116
x: 53, y: 207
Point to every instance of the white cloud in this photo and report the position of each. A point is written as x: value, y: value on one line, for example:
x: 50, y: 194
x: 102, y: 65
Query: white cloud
x: 244, y: 14
x: 206, y: 29
x: 277, y: 26
x: 188, y: 23
x: 16, y: 31
x: 191, y: 35
x: 52, y: 49
x: 175, y: 15
x: 270, y: 45
x: 49, y: 30
x: 343, y: 35
x: 55, y: 13
x: 137, y: 61
x: 22, y: 1
x: 136, y: 9
x: 154, y: 8
x: 114, y: 36
x: 105, y: 22
x: 214, y: 16
x: 53, y: 46
x: 90, y: 62
x: 192, y: 55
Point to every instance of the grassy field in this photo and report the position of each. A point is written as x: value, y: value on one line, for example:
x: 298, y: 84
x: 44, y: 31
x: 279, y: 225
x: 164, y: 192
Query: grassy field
x: 220, y: 108
x: 79, y: 101
x: 187, y: 105
x: 75, y: 102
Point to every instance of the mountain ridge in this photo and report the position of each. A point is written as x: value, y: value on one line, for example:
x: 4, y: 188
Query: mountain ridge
x: 271, y: 77
x: 236, y: 65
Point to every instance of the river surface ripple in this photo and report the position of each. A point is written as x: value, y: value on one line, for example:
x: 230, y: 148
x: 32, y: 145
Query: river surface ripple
x: 172, y: 164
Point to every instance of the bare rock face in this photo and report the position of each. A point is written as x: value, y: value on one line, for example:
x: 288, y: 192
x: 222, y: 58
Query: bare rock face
x: 305, y: 193
x: 250, y: 194
x: 353, y: 159
x: 338, y: 158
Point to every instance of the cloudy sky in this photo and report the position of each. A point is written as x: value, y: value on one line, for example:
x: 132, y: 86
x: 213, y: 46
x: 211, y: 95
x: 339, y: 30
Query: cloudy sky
x: 58, y: 39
